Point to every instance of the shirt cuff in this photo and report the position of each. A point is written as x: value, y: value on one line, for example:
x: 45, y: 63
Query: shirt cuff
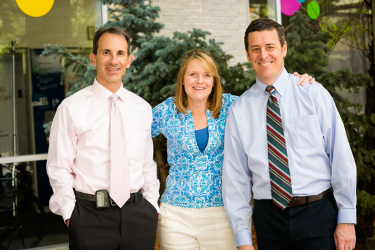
x: 67, y: 210
x: 347, y: 215
x: 244, y: 238
x: 155, y: 204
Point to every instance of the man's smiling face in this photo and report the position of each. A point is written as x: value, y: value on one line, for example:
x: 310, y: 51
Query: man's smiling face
x: 266, y: 55
x: 112, y: 59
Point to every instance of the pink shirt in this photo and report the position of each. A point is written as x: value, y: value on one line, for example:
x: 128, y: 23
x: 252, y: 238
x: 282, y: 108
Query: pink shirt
x: 79, y: 150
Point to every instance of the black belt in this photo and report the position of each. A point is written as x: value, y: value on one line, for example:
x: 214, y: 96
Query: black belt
x: 134, y: 197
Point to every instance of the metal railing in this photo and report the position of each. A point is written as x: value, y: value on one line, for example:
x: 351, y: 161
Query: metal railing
x: 23, y: 158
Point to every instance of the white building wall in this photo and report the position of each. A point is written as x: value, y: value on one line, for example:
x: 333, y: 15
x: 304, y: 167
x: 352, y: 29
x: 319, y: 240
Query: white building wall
x: 225, y: 19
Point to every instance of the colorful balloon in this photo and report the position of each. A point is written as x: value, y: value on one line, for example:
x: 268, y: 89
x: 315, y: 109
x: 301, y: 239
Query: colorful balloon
x: 289, y: 6
x: 35, y: 8
x: 301, y: 1
x: 313, y: 10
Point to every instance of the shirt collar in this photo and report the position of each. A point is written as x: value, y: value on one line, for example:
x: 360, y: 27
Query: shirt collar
x: 279, y: 84
x: 103, y: 94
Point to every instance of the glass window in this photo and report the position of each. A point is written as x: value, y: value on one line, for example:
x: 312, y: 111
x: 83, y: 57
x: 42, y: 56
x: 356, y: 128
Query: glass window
x: 37, y: 82
x: 39, y: 88
x: 263, y: 8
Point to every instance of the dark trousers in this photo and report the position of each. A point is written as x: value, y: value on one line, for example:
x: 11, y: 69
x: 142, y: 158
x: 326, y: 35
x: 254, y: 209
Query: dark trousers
x: 309, y: 226
x: 131, y: 227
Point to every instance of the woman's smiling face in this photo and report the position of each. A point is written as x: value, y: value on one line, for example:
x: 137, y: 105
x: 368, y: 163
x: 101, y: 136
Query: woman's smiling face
x: 198, y: 82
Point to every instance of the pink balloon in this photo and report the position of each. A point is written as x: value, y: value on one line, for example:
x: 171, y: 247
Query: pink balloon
x: 289, y: 6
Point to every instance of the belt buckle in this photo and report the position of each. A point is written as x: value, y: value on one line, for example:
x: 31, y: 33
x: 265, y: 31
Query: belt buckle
x: 112, y: 202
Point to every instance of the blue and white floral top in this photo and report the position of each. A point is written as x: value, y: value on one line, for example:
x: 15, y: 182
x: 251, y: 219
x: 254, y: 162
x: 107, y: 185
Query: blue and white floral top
x: 194, y: 179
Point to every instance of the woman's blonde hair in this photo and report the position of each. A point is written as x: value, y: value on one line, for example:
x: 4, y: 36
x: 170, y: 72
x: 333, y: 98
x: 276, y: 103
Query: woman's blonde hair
x: 215, y: 98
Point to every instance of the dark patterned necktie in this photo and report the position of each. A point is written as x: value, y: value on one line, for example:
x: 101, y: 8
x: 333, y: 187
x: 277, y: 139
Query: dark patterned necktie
x: 281, y: 186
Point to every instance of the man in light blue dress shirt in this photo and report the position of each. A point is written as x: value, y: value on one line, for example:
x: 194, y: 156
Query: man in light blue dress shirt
x: 318, y: 153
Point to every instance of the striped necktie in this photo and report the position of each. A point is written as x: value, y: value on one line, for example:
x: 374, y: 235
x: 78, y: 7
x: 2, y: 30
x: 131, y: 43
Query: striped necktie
x: 281, y: 186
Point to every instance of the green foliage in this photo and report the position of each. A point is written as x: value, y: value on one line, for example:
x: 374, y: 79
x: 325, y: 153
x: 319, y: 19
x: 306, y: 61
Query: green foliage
x: 260, y: 10
x: 367, y: 203
x: 352, y: 32
x: 335, y: 33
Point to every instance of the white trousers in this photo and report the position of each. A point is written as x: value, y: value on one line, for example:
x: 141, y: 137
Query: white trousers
x: 182, y: 228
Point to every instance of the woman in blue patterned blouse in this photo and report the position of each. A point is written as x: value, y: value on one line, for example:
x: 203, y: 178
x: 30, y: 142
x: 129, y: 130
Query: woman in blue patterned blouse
x: 192, y: 212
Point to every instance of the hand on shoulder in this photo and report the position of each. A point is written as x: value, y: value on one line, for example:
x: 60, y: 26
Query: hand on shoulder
x: 305, y: 78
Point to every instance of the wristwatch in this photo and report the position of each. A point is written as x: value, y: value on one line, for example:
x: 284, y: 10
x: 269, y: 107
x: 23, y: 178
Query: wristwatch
x: 350, y: 224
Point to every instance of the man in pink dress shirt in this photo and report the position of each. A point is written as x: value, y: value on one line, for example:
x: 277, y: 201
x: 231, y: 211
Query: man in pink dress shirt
x: 80, y: 166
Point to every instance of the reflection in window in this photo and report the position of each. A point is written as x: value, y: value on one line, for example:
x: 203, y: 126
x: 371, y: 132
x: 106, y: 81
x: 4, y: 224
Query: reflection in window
x: 66, y: 24
x: 262, y: 8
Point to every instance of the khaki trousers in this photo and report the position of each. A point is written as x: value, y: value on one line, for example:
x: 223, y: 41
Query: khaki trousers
x: 182, y: 228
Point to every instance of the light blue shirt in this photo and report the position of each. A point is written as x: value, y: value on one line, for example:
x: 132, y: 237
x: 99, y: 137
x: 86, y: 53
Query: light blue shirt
x: 195, y: 177
x: 319, y: 154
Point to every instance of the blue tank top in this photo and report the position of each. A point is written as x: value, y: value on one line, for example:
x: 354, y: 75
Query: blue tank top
x: 201, y: 137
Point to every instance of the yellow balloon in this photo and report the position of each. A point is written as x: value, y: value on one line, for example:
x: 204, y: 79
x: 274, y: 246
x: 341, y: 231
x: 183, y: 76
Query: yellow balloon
x: 35, y: 8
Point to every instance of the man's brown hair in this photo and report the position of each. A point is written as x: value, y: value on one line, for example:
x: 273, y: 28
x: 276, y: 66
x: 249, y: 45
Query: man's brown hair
x: 208, y: 63
x: 264, y: 24
x: 112, y: 30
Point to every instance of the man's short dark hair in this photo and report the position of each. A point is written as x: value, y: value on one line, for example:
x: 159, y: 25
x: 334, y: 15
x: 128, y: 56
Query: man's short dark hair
x: 264, y: 24
x: 112, y: 30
